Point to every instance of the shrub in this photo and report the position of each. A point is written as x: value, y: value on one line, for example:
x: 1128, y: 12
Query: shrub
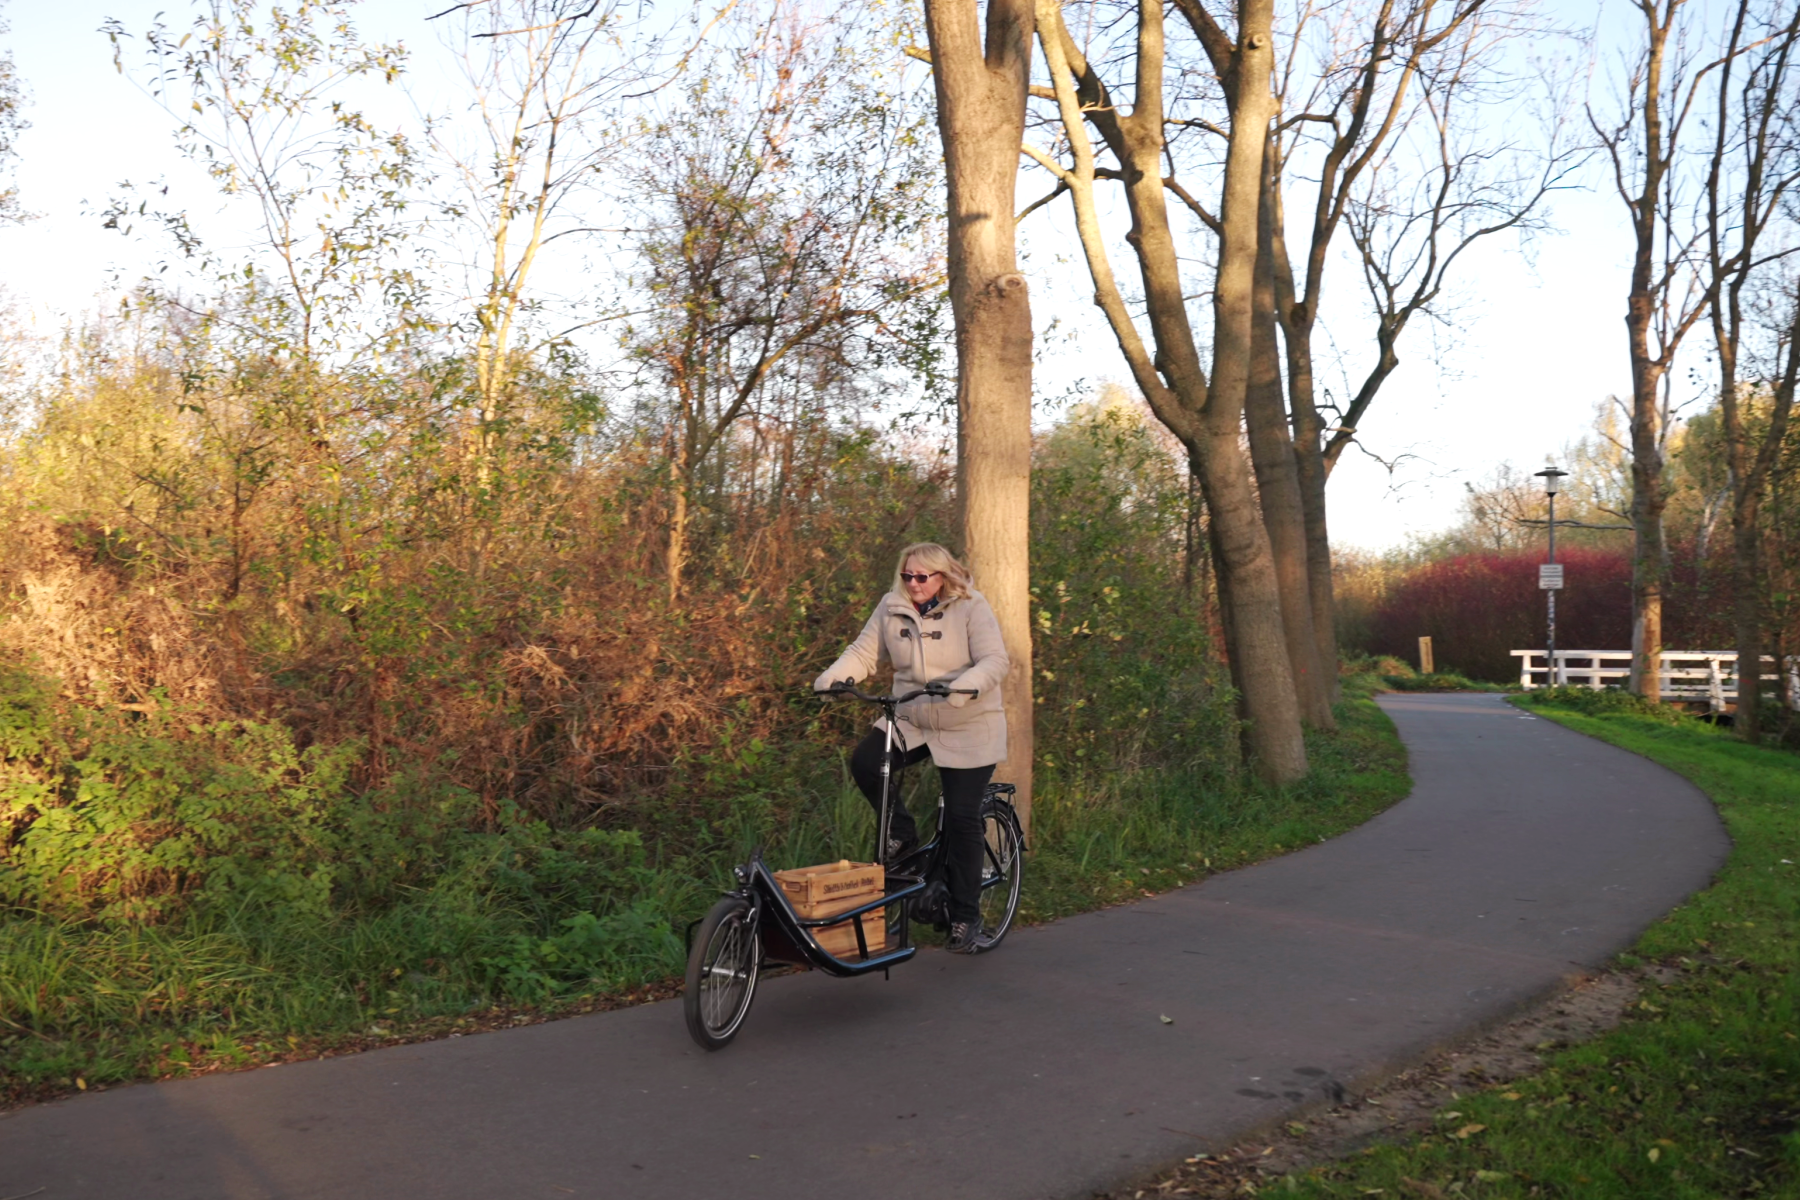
x: 1478, y: 608
x: 1437, y: 681
x: 1595, y: 702
x: 1127, y: 676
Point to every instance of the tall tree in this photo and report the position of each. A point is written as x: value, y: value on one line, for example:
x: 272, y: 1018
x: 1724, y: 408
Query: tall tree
x: 1752, y: 170
x: 981, y: 80
x: 1648, y: 154
x: 779, y: 242
x: 1378, y: 123
x: 1278, y: 479
x: 1206, y: 414
x: 545, y: 81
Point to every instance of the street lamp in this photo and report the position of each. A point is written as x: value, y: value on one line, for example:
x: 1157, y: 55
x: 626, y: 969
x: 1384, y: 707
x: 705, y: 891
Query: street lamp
x: 1550, y: 575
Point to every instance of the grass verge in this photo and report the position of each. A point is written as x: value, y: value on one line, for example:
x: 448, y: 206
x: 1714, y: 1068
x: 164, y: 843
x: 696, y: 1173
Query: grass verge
x: 91, y: 1005
x: 1102, y: 842
x: 1695, y: 1095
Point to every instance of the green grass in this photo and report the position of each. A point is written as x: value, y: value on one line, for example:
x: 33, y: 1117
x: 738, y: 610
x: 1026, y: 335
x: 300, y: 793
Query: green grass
x: 490, y: 938
x: 1442, y: 681
x: 1107, y: 840
x: 1696, y: 1094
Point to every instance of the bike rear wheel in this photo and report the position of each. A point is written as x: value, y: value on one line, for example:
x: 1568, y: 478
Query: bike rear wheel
x: 721, y: 973
x: 1002, y: 873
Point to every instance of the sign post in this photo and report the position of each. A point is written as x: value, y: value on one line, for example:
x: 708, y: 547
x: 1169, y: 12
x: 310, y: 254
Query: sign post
x: 1550, y: 574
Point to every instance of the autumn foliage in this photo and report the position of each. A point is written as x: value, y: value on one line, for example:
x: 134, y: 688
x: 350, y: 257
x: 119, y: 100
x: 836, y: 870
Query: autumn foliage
x: 1478, y: 608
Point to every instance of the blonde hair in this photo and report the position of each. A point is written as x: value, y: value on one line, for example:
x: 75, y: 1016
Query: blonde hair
x: 958, y: 583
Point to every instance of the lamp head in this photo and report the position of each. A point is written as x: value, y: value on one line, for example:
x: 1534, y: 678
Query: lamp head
x: 1552, y: 477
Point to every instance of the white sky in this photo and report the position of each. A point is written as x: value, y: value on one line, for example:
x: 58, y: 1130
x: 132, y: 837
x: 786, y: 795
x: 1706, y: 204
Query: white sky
x: 1538, y: 344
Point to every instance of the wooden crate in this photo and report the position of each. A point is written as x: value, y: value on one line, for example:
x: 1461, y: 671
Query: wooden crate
x: 840, y: 940
x: 831, y: 888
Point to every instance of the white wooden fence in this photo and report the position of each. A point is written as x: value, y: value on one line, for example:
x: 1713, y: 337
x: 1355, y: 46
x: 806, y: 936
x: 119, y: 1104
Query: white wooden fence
x: 1704, y: 676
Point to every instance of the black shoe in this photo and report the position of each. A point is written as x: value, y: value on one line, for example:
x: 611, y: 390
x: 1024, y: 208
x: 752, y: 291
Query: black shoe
x: 899, y: 849
x: 964, y: 936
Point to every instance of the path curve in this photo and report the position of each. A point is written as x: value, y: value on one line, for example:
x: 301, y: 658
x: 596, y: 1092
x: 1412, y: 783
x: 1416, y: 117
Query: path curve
x: 1525, y: 854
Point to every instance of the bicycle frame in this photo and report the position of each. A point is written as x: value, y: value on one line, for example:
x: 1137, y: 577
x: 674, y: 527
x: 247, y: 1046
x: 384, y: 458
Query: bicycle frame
x: 755, y: 924
x: 787, y: 937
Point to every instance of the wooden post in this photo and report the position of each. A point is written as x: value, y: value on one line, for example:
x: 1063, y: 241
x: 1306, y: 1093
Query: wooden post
x: 1426, y: 667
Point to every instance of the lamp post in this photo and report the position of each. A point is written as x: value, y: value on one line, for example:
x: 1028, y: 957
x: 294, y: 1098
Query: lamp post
x: 1550, y: 581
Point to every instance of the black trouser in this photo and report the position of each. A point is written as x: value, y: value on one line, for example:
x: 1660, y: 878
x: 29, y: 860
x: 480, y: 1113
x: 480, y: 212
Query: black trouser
x: 963, y: 835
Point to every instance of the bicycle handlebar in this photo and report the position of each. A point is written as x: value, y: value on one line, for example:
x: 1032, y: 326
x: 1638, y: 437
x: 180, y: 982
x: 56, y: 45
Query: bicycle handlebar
x: 930, y: 689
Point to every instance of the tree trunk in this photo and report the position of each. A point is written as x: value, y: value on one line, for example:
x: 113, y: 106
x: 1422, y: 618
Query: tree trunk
x: 981, y: 120
x: 1648, y: 499
x: 1750, y: 470
x: 1228, y: 630
x: 678, y: 521
x: 1311, y: 470
x: 1646, y: 296
x: 1247, y: 558
x: 1277, y: 483
x: 1208, y: 418
x: 1746, y: 586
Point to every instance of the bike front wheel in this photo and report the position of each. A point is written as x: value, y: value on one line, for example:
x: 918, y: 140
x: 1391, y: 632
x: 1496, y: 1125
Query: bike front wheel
x: 721, y: 973
x: 1002, y: 873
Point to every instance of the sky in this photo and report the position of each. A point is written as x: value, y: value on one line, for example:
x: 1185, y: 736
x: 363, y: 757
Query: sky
x: 1538, y: 341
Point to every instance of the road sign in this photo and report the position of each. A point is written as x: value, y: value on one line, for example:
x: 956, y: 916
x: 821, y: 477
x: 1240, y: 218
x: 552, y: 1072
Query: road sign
x: 1550, y: 576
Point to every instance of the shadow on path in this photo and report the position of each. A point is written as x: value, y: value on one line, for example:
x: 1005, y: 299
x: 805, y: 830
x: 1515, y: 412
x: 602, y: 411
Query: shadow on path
x: 1525, y: 854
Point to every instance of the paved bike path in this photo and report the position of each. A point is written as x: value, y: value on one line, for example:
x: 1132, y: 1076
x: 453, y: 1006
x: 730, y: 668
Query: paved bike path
x: 1525, y: 854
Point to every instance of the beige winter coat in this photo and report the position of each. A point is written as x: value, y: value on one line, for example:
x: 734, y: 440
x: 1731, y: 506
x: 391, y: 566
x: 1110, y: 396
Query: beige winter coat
x: 957, y: 643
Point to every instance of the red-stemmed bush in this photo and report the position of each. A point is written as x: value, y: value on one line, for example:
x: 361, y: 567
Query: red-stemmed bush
x: 1478, y: 608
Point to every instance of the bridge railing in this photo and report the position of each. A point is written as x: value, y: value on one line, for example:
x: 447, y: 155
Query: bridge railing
x: 1705, y: 676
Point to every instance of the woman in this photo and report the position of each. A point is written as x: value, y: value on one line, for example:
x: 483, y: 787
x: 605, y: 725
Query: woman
x: 936, y: 628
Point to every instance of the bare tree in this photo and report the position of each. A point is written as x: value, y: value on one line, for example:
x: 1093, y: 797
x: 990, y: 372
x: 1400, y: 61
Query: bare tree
x: 1206, y: 414
x: 1752, y: 172
x: 1649, y: 154
x: 1275, y: 458
x: 981, y: 80
x: 546, y: 80
x: 1384, y: 123
x: 777, y: 243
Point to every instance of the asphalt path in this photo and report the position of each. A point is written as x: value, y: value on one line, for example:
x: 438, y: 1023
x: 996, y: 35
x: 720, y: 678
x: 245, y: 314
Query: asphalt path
x: 1080, y: 1055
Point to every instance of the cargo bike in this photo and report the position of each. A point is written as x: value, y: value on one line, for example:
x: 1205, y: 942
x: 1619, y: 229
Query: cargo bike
x: 844, y: 918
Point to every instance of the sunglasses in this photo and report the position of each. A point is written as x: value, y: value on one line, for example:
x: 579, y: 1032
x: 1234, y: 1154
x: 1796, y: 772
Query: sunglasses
x: 910, y: 578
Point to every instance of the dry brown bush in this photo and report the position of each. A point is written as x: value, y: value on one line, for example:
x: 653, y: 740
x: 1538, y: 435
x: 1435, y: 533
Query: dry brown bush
x: 252, y: 544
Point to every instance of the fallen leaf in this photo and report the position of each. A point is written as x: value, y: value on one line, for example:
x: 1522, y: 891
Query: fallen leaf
x: 1655, y: 1153
x: 1510, y: 1096
x: 81, y: 1083
x: 1166, y: 1020
x: 1469, y: 1131
x: 1491, y: 1177
x: 1430, y: 1191
x: 1449, y: 1116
